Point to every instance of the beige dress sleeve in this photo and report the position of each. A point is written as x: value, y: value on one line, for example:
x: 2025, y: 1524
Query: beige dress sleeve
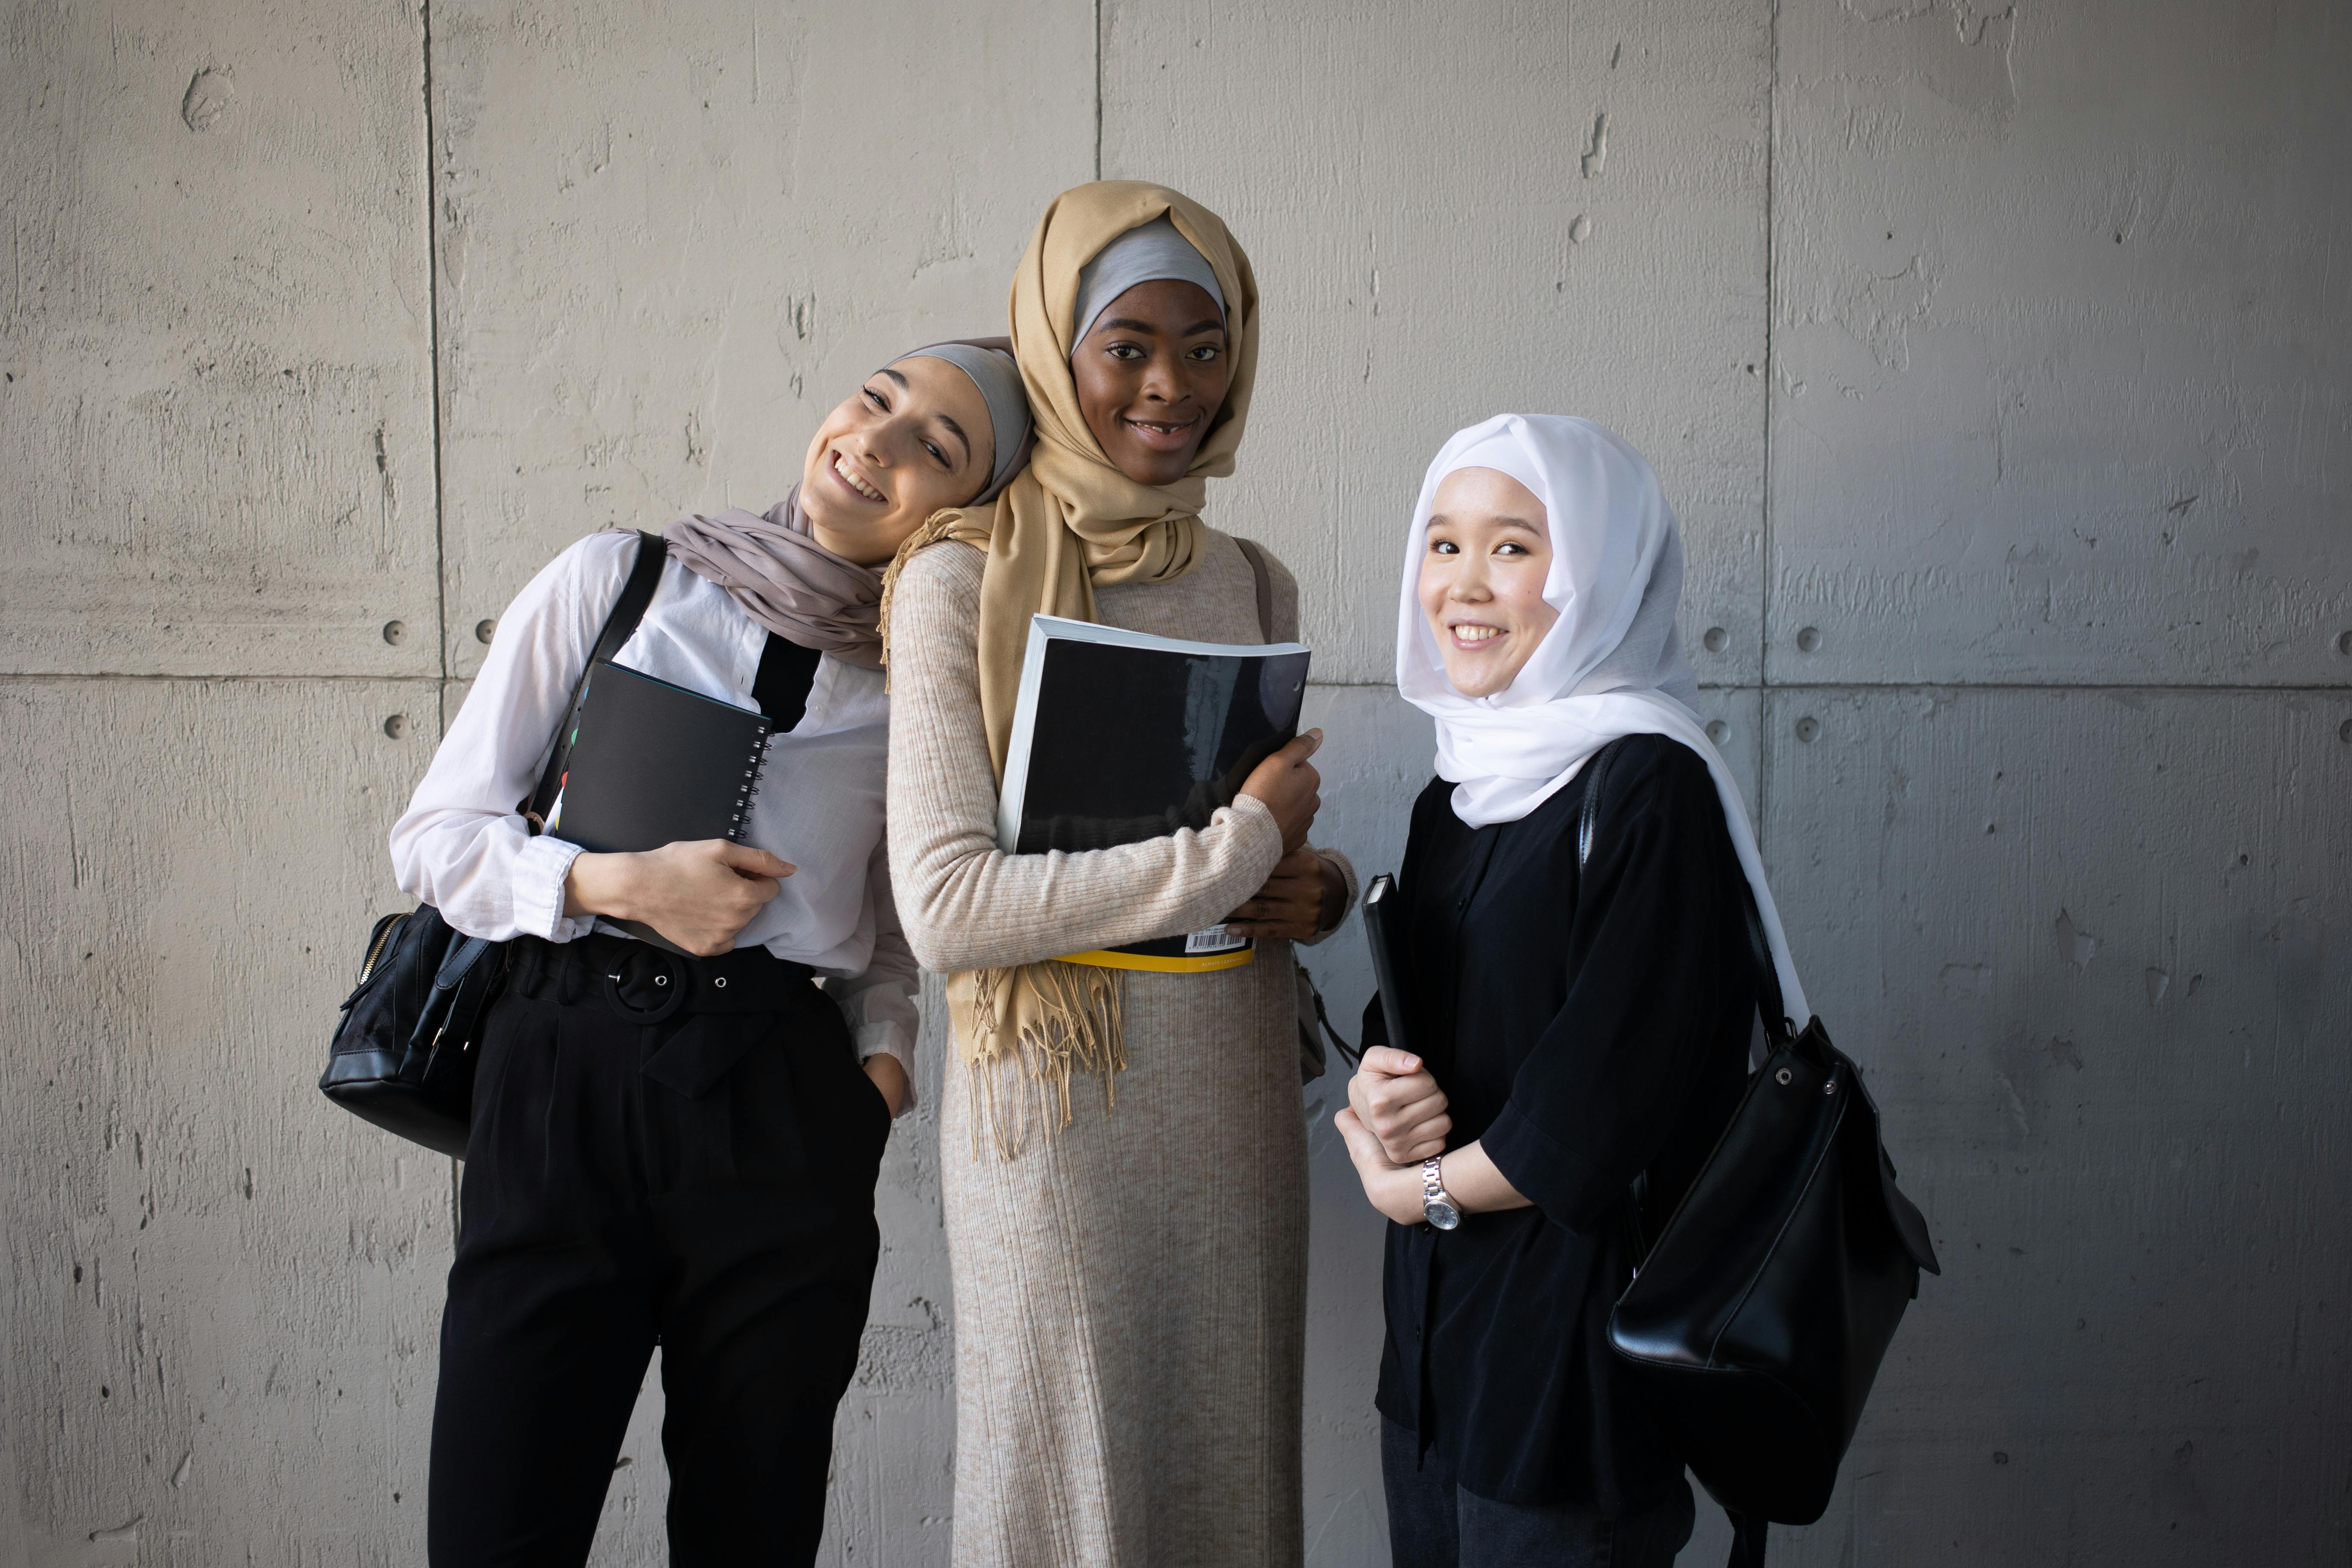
x: 965, y: 903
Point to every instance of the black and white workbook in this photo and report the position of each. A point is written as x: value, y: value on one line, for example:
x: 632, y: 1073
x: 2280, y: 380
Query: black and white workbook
x: 1119, y: 736
x: 654, y: 763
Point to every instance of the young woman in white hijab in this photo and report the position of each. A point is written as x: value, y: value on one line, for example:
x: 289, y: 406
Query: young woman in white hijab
x: 1571, y: 1029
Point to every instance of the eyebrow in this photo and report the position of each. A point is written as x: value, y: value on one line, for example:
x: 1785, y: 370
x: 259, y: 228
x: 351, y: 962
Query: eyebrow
x: 894, y: 375
x: 1437, y: 517
x: 959, y: 436
x: 1128, y: 324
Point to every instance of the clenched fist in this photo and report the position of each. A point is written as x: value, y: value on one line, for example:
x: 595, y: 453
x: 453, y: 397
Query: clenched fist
x: 1400, y: 1103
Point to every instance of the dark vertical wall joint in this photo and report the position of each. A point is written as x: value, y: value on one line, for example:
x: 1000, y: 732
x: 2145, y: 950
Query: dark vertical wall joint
x: 1766, y: 738
x: 433, y: 339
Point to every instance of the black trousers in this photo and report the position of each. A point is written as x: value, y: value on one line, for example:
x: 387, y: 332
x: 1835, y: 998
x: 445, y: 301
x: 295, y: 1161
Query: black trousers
x: 1434, y: 1523
x: 665, y: 1151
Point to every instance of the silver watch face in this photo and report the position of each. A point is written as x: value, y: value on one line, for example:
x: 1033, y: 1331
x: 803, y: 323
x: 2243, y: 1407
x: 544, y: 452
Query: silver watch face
x: 1440, y: 1213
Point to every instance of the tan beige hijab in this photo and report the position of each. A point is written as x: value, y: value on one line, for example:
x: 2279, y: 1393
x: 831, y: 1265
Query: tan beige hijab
x: 1066, y: 523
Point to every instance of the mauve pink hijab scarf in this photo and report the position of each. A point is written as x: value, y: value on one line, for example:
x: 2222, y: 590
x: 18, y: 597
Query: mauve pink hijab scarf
x: 785, y: 580
x: 774, y: 568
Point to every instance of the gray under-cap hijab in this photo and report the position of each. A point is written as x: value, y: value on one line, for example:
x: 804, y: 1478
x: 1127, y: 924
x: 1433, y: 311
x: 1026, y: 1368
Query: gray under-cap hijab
x: 1144, y: 254
x: 992, y: 369
x: 772, y: 565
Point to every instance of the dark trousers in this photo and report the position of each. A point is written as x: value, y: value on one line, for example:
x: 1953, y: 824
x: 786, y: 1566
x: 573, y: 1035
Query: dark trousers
x: 1434, y: 1523
x: 665, y: 1151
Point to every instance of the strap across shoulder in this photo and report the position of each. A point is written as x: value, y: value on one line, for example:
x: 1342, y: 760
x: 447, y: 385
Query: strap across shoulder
x: 1256, y: 558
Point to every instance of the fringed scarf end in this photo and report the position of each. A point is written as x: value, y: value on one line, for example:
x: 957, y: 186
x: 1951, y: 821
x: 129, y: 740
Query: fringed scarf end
x: 1037, y: 1024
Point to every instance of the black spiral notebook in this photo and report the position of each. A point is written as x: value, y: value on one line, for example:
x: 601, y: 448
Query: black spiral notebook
x: 1119, y: 736
x: 654, y: 763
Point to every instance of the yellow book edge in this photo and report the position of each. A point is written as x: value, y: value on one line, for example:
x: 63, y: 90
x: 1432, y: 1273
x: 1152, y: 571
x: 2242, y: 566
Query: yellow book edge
x: 1104, y: 958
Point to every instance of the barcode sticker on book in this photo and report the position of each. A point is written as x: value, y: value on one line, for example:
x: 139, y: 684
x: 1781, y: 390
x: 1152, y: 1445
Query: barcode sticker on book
x: 1212, y: 938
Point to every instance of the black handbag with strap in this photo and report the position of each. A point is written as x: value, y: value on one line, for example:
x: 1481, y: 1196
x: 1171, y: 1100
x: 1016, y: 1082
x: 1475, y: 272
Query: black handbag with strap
x: 403, y: 1055
x: 1755, y: 1325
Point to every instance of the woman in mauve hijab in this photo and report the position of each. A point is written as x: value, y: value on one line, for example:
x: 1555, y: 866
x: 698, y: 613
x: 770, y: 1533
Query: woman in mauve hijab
x: 1122, y: 1157
x: 1579, y: 1032
x: 679, y: 1145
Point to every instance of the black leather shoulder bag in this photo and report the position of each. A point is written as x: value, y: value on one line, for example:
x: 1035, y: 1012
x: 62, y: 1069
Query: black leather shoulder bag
x: 402, y: 1054
x: 1755, y: 1325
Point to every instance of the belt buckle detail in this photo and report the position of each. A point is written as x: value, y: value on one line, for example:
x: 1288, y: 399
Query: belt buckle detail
x: 668, y: 976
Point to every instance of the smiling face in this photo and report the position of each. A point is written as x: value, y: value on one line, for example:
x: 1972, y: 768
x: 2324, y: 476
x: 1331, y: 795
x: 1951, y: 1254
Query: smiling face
x: 1151, y: 374
x: 915, y: 439
x: 1482, y: 578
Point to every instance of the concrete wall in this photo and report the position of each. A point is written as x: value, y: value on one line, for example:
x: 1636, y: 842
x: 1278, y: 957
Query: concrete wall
x: 1996, y: 359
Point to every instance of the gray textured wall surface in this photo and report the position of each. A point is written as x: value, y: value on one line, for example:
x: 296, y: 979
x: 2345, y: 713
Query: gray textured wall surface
x: 1995, y: 357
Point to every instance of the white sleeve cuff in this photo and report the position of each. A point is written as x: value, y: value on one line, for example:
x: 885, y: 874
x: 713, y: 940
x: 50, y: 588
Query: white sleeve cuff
x: 889, y: 1039
x: 539, y: 871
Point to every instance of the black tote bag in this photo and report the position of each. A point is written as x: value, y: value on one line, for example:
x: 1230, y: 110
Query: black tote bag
x: 1755, y: 1326
x: 402, y: 1053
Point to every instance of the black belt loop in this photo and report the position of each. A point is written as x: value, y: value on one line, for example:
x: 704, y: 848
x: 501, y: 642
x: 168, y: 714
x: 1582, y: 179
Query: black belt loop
x: 644, y: 983
x: 522, y: 966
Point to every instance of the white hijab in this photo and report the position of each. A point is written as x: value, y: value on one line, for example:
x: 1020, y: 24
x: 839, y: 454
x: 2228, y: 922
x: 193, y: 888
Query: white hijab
x: 1611, y: 666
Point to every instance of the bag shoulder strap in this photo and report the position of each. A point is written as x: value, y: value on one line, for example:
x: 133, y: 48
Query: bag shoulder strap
x: 644, y: 576
x: 1256, y: 559
x: 1766, y: 973
x: 1746, y: 1539
x: 1587, y: 822
x: 1588, y: 816
x: 1778, y: 1030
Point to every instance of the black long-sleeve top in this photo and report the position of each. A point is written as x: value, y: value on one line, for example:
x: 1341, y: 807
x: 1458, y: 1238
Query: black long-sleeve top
x: 1586, y: 1029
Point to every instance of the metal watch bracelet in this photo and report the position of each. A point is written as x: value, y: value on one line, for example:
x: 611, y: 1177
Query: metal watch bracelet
x: 1438, y: 1209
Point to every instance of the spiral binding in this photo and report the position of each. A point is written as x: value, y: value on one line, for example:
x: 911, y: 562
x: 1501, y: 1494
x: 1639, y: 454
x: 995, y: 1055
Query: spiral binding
x: 750, y: 785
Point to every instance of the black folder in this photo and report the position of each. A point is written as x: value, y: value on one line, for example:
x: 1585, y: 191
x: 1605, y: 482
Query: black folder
x: 1120, y: 736
x: 1383, y: 930
x: 654, y: 763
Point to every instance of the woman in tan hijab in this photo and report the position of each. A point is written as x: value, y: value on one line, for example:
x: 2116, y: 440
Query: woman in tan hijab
x: 1129, y: 1250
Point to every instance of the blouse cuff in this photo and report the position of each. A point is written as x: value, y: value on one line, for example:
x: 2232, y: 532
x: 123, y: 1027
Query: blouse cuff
x: 1543, y: 1172
x: 539, y: 871
x: 889, y: 1039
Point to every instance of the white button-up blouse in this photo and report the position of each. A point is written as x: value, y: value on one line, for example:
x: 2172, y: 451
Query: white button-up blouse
x: 463, y: 847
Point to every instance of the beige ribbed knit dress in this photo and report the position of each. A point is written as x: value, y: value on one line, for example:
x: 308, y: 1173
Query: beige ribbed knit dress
x: 1130, y: 1294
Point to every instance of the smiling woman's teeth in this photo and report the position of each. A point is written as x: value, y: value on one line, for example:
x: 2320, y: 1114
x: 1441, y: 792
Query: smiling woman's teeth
x: 853, y: 482
x: 1476, y: 633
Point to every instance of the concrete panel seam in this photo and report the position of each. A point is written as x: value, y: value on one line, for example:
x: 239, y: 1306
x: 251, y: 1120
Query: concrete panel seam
x: 2160, y: 688
x: 1764, y: 512
x: 433, y: 344
x: 68, y: 677
x: 1799, y: 686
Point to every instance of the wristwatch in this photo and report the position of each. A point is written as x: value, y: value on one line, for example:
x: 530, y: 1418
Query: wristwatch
x: 1437, y: 1205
